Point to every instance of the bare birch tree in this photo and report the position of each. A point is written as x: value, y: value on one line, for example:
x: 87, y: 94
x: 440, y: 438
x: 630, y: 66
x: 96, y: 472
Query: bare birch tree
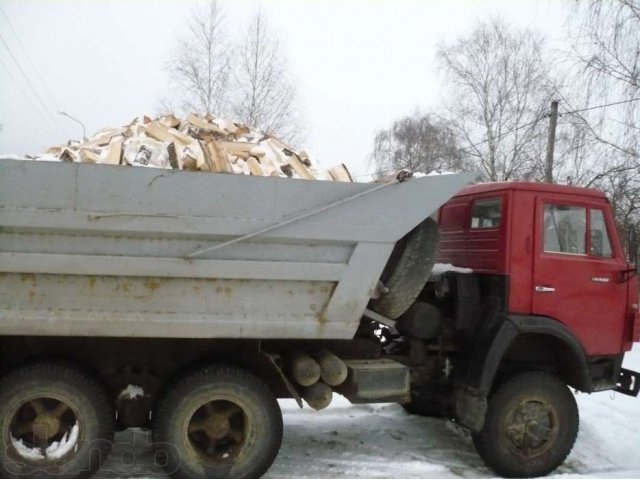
x: 499, y: 93
x: 199, y: 68
x: 265, y: 95
x: 419, y: 143
x: 605, y: 39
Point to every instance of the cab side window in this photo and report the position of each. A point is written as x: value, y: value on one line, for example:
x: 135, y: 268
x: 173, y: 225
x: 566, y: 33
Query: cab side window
x: 486, y: 213
x: 565, y: 229
x: 599, y: 245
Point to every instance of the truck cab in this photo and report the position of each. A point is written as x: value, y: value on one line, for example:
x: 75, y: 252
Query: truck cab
x: 550, y: 251
x: 533, y: 286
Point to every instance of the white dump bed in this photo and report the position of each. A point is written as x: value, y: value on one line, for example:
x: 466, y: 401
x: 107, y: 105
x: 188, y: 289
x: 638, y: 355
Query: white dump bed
x: 97, y: 250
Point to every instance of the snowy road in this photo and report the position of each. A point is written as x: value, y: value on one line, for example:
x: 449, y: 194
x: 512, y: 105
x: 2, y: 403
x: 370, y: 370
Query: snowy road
x: 382, y: 441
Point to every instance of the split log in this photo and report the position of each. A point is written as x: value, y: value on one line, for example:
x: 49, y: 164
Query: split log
x: 103, y: 137
x: 170, y: 121
x: 173, y: 156
x: 180, y: 137
x: 273, y: 161
x: 289, y: 156
x: 114, y: 152
x: 303, y: 156
x: 299, y: 167
x: 143, y: 157
x: 189, y: 162
x: 194, y: 150
x: 216, y: 157
x: 254, y: 167
x: 159, y: 131
x: 204, y: 125
x: 320, y: 174
x: 241, y: 129
x: 340, y: 173
x: 239, y: 149
x: 89, y: 156
x: 68, y: 156
x: 257, y: 151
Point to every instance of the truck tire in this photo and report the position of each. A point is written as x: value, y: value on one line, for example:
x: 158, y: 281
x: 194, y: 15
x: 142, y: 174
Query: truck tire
x: 56, y: 422
x: 408, y: 269
x: 217, y: 422
x: 531, y: 426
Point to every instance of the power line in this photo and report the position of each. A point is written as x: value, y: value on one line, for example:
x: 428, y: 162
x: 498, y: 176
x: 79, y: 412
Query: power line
x: 35, y: 109
x: 620, y: 102
x: 518, y: 127
x: 26, y: 54
x: 35, y: 92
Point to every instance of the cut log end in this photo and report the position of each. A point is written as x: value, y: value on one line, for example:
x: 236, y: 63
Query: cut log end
x: 318, y: 396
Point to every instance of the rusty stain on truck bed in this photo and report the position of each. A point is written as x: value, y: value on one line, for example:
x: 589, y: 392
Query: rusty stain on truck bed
x: 213, y: 307
x: 153, y: 283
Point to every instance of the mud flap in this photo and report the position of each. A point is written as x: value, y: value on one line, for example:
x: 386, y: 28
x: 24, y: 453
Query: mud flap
x: 470, y: 408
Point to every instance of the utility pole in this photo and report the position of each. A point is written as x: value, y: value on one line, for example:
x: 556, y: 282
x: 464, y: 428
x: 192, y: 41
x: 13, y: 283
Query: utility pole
x: 551, y: 142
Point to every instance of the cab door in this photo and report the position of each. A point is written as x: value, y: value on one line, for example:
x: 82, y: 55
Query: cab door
x: 577, y: 272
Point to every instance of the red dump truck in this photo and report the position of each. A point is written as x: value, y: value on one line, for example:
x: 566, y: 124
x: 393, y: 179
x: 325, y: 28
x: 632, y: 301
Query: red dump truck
x: 187, y: 303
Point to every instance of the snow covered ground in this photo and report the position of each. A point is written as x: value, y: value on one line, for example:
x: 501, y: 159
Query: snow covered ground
x: 382, y: 441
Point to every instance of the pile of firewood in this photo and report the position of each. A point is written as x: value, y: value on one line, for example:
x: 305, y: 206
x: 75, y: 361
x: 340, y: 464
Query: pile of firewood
x: 203, y: 143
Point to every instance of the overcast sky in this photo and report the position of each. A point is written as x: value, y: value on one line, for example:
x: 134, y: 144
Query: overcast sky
x: 359, y: 64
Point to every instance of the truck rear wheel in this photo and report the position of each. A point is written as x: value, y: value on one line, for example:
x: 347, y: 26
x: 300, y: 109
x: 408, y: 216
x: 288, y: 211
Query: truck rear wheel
x: 408, y: 270
x: 56, y: 422
x: 217, y: 422
x: 531, y: 426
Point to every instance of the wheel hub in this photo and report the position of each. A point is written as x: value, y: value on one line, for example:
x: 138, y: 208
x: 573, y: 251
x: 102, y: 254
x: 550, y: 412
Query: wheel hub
x: 532, y: 428
x: 46, y: 425
x: 39, y: 423
x: 217, y: 426
x: 217, y: 430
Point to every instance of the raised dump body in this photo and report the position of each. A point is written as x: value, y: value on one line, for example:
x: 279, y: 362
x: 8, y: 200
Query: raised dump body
x: 98, y: 250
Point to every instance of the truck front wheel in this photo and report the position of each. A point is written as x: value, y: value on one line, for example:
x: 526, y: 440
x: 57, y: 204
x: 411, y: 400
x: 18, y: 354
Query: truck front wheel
x: 217, y: 422
x: 531, y: 426
x: 56, y: 422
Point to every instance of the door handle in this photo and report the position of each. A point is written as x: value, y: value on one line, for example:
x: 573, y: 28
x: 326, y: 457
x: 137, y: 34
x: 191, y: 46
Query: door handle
x: 541, y: 289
